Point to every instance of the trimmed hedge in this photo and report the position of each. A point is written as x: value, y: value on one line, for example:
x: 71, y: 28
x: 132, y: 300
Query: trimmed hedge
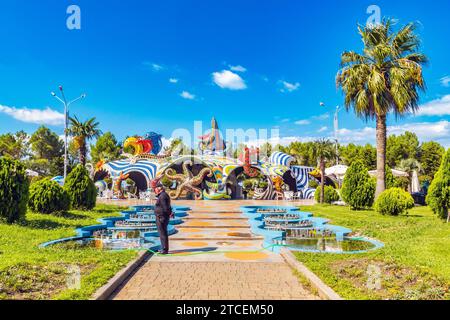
x: 81, y: 189
x: 330, y: 195
x: 394, y: 201
x: 48, y: 197
x: 14, y: 190
x: 358, y: 188
x: 438, y: 197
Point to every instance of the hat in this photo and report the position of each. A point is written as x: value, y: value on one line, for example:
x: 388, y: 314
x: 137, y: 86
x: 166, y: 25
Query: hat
x: 156, y: 184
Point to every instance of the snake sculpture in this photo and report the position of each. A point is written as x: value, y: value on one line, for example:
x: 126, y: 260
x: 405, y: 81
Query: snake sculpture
x: 187, y: 181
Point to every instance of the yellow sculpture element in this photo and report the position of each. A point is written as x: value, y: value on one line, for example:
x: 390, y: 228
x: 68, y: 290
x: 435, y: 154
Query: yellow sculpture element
x: 278, y: 185
x: 133, y: 142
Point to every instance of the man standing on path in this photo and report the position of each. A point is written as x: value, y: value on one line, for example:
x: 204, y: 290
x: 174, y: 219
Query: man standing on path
x: 163, y: 213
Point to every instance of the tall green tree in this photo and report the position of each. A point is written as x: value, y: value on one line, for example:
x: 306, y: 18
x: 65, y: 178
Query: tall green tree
x: 81, y: 133
x: 401, y: 147
x: 47, y: 152
x: 14, y: 145
x: 303, y: 153
x: 324, y: 151
x: 385, y: 78
x: 106, y: 147
x: 438, y: 197
x: 265, y: 150
x: 430, y: 156
x: 366, y: 154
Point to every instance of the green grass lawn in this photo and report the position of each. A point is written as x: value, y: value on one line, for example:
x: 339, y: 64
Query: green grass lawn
x: 30, y: 272
x: 414, y: 264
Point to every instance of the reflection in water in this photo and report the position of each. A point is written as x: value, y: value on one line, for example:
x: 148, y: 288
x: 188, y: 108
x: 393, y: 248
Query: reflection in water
x: 325, y: 244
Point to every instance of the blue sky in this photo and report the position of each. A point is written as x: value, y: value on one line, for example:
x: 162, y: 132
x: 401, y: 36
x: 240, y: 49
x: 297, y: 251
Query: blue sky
x: 160, y: 65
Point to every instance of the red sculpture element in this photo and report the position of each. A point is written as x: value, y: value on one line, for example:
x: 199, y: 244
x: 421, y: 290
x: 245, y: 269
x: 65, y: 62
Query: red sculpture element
x: 154, y: 183
x: 248, y: 169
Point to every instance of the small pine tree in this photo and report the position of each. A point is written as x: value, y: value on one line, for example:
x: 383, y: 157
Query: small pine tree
x: 81, y: 189
x: 14, y: 186
x: 438, y: 197
x: 48, y: 197
x: 330, y: 195
x: 358, y: 189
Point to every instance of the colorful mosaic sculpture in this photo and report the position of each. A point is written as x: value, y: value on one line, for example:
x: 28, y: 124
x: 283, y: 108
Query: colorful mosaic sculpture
x: 187, y: 181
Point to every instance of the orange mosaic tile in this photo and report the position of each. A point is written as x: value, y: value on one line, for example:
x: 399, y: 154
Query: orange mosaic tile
x: 245, y: 256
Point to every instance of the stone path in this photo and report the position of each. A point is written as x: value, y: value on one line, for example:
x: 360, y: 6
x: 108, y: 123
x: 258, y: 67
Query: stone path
x: 214, y: 255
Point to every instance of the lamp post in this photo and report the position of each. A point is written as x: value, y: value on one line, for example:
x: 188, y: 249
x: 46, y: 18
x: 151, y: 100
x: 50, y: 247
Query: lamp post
x: 66, y: 104
x: 336, y: 129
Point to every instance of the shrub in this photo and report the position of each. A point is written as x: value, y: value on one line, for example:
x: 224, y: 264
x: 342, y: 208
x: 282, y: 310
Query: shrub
x: 438, y: 197
x: 14, y: 185
x: 358, y: 189
x: 48, y: 196
x: 313, y: 184
x: 81, y: 189
x: 330, y: 195
x: 402, y: 182
x: 394, y: 201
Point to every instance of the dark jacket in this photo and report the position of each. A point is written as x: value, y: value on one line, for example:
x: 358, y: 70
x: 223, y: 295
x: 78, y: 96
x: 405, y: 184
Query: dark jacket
x: 162, y: 205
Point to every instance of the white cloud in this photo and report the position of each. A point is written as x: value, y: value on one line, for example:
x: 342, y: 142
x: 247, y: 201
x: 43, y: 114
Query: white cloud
x: 425, y: 131
x: 289, y: 87
x: 302, y: 122
x: 187, y: 95
x: 154, y: 66
x: 322, y: 129
x: 238, y: 68
x: 173, y: 80
x: 324, y: 116
x: 445, y: 81
x: 228, y: 80
x: 38, y: 116
x: 285, y: 120
x: 438, y: 107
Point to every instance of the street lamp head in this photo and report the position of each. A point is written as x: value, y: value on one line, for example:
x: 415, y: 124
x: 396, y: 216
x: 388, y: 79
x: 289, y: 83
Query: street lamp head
x: 83, y: 95
x: 322, y: 104
x: 60, y: 88
x: 53, y: 94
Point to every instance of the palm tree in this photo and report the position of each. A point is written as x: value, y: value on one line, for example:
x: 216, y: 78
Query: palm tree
x: 385, y: 78
x: 81, y: 132
x: 323, y: 150
x: 409, y: 166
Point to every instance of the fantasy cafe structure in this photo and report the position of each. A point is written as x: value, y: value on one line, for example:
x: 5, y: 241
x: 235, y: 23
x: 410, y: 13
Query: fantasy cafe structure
x: 210, y: 175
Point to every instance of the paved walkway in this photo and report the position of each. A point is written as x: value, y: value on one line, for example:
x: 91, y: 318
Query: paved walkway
x: 214, y: 255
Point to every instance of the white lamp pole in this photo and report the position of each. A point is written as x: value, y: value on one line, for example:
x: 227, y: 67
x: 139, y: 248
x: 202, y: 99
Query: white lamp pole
x: 336, y: 132
x: 66, y: 104
x: 336, y: 129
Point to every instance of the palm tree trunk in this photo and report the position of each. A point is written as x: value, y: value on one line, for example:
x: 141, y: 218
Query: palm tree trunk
x: 83, y: 153
x: 381, y: 155
x: 322, y: 180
